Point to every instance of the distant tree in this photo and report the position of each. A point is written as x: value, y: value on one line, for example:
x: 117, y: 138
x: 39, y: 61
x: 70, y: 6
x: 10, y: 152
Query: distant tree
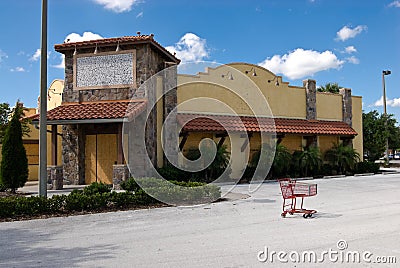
x: 4, y: 117
x: 375, y: 133
x: 394, y: 134
x: 14, y: 164
x: 5, y: 113
x: 329, y: 87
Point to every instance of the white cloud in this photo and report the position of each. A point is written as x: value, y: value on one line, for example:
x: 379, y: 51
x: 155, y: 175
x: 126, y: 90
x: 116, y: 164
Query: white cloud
x: 392, y: 103
x: 118, y: 6
x: 37, y: 54
x: 74, y: 37
x: 86, y: 36
x: 18, y: 69
x: 140, y: 15
x: 347, y: 33
x: 353, y: 60
x: 190, y: 48
x: 300, y: 63
x: 61, y: 65
x: 350, y: 49
x: 394, y: 4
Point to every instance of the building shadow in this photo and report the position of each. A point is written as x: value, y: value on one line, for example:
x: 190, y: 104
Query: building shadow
x: 30, y: 248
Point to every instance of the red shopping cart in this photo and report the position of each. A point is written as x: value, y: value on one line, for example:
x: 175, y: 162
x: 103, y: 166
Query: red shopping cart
x: 291, y: 190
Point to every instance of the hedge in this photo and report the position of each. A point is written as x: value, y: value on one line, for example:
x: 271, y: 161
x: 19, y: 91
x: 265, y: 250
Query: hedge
x: 174, y: 192
x: 97, y: 197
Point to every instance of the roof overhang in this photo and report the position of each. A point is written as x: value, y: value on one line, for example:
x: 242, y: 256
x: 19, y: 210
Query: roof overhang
x: 102, y: 112
x: 216, y: 123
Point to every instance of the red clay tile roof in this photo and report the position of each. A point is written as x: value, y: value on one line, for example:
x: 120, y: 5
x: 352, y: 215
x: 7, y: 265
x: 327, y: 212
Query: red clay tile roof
x: 95, y: 110
x: 113, y: 41
x: 250, y: 124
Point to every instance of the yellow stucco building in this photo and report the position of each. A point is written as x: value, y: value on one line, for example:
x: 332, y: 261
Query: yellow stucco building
x: 240, y: 105
x: 302, y: 116
x: 31, y: 142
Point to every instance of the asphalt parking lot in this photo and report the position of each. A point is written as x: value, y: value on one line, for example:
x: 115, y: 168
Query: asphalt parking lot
x: 355, y: 214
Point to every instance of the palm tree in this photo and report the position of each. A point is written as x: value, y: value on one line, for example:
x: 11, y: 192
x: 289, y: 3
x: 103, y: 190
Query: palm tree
x: 282, y: 160
x: 308, y: 161
x: 342, y: 157
x: 329, y: 87
x: 217, y: 167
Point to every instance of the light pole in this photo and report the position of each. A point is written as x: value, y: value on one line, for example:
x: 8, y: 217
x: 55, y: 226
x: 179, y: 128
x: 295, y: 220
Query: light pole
x: 43, y: 106
x: 385, y: 72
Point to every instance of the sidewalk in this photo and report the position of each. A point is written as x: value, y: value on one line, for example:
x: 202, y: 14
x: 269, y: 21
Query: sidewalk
x: 32, y: 188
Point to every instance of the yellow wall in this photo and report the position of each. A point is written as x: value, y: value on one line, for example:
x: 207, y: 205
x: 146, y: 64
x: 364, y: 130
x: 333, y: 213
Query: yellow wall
x: 293, y: 143
x: 357, y: 125
x: 54, y: 93
x: 329, y: 106
x: 243, y: 96
x: 213, y: 92
x: 326, y: 142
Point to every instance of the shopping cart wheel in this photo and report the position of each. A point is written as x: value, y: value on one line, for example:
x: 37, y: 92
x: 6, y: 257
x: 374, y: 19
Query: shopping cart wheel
x: 283, y: 215
x: 305, y: 216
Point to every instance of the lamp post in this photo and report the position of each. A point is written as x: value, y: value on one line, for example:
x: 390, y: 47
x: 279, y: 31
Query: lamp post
x: 385, y: 72
x: 43, y: 106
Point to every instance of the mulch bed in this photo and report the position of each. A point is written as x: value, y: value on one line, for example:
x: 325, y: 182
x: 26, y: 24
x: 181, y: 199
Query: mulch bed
x: 76, y: 213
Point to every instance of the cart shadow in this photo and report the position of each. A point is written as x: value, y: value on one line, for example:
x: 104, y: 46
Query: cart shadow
x: 326, y: 215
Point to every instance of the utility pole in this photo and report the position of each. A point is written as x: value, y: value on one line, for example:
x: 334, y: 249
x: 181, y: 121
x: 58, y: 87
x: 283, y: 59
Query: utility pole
x: 385, y: 72
x: 43, y: 106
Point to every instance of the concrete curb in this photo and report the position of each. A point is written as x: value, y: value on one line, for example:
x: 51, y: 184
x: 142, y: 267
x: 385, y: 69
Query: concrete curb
x: 364, y: 174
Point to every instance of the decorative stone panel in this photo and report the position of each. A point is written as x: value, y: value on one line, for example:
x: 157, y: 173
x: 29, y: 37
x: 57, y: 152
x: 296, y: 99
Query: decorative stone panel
x: 73, y: 155
x: 120, y: 174
x: 311, y: 99
x: 55, y: 177
x: 347, y: 105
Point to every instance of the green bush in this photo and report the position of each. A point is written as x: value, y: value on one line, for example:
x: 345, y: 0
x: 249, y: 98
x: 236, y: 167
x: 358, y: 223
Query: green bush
x: 176, y: 192
x: 97, y: 197
x: 170, y: 172
x: 366, y: 167
x: 95, y: 188
x: 14, y: 163
x: 130, y: 185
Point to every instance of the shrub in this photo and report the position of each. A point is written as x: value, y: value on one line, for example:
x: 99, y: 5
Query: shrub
x: 307, y: 162
x: 170, y: 172
x: 217, y: 166
x: 14, y: 163
x: 95, y: 188
x: 366, y: 167
x: 175, y: 192
x: 343, y: 158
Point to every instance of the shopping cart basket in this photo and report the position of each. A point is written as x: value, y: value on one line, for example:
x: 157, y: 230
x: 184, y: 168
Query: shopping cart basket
x: 291, y: 190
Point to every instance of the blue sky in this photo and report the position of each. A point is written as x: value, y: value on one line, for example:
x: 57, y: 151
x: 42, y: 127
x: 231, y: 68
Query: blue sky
x: 349, y: 42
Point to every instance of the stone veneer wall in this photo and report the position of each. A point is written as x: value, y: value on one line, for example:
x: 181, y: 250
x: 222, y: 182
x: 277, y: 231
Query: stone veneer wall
x: 120, y: 174
x: 148, y: 63
x: 73, y: 155
x: 347, y: 107
x: 170, y: 138
x: 311, y: 99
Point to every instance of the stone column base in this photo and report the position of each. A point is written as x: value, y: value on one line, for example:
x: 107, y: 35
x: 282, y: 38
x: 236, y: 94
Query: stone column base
x: 120, y: 174
x: 54, y: 177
